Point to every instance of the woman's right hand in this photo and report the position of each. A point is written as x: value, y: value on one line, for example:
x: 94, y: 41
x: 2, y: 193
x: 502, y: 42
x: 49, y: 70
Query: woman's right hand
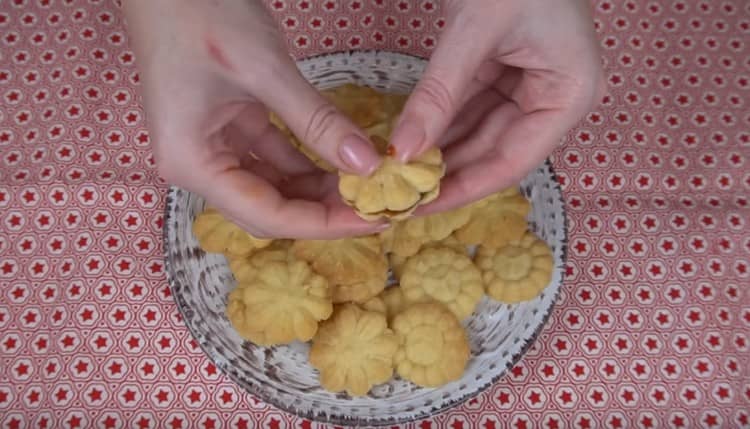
x: 211, y: 70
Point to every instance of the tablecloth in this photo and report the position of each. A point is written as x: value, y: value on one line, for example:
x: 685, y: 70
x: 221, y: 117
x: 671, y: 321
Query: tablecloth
x: 651, y: 328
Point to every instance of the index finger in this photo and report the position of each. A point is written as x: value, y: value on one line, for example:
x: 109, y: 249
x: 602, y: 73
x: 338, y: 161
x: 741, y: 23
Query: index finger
x: 520, y: 148
x: 259, y: 208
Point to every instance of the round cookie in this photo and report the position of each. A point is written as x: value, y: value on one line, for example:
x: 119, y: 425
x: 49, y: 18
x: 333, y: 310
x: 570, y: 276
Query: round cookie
x: 517, y: 271
x: 216, y: 234
x: 443, y: 275
x: 280, y: 303
x: 353, y: 350
x: 433, y: 348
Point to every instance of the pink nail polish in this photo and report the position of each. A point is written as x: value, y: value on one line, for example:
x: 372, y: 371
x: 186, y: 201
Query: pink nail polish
x: 359, y: 155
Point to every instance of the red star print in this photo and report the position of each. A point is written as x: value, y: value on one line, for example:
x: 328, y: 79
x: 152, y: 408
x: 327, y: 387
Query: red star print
x: 61, y: 394
x: 144, y: 423
x: 22, y: 369
x: 179, y: 368
x: 162, y: 396
x: 133, y: 342
x: 658, y: 395
x: 116, y: 368
x: 194, y: 396
x: 681, y: 343
x: 579, y: 370
x: 40, y: 344
x: 128, y: 396
x: 131, y: 220
x: 100, y: 342
x: 591, y: 344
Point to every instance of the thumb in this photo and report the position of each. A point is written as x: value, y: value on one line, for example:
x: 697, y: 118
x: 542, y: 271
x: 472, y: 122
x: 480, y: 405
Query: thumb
x: 439, y: 94
x: 318, y: 124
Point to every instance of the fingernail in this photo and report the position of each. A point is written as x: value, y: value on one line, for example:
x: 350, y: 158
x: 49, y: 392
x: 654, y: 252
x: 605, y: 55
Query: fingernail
x: 409, y: 137
x: 359, y: 155
x: 382, y: 227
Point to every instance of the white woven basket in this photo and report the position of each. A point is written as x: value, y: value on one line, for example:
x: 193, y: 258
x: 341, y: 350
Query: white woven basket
x: 281, y: 376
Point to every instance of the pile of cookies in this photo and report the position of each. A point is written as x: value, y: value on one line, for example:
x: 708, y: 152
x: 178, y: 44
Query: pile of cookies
x: 364, y: 324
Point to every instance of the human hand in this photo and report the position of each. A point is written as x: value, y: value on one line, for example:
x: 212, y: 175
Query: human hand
x: 507, y: 80
x: 209, y: 70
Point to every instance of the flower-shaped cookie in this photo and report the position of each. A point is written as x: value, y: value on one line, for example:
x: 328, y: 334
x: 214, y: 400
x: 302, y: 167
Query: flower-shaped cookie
x: 397, y: 262
x: 443, y: 275
x: 216, y: 234
x: 282, y: 302
x: 353, y: 350
x: 359, y: 291
x: 394, y: 190
x: 405, y: 238
x: 433, y: 348
x: 245, y: 267
x: 344, y: 260
x: 355, y: 267
x: 496, y: 220
x: 375, y: 303
x: 363, y: 105
x: 393, y: 299
x: 517, y: 271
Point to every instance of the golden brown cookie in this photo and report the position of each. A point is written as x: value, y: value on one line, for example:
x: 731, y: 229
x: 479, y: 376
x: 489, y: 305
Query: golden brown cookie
x: 496, y: 220
x: 362, y: 104
x: 409, y: 235
x: 359, y: 291
x: 433, y: 348
x: 355, y: 267
x: 353, y: 350
x: 375, y: 303
x: 282, y: 302
x: 516, y: 271
x: 393, y: 299
x: 216, y: 234
x: 443, y: 275
x: 397, y: 262
x: 245, y: 267
x: 394, y: 190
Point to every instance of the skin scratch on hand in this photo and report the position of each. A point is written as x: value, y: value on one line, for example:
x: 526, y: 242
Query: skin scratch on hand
x: 218, y: 55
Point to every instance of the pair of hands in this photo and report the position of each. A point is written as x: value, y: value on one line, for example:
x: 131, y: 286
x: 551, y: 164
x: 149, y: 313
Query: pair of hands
x: 507, y: 80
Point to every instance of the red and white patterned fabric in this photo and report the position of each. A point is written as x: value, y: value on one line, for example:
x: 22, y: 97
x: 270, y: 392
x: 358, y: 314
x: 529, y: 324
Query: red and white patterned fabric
x: 653, y: 325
